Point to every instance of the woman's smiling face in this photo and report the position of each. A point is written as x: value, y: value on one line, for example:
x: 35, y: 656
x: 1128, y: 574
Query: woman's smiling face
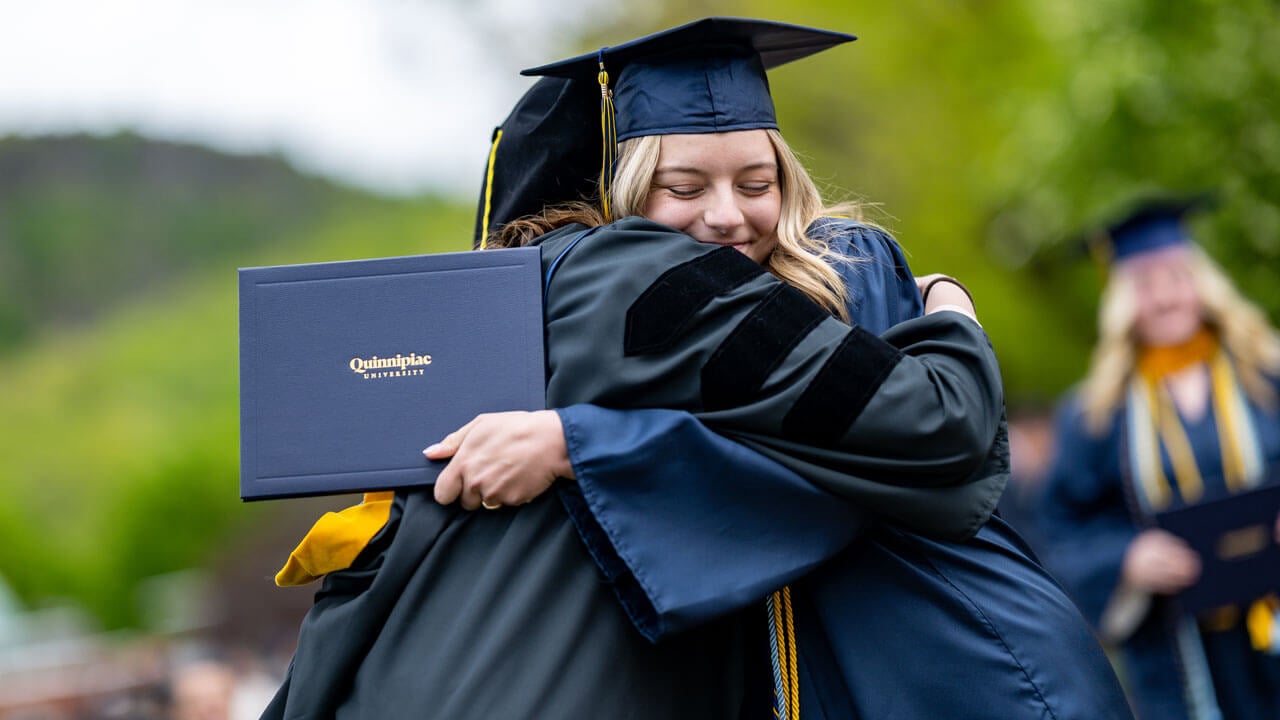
x: 1169, y: 309
x: 719, y: 188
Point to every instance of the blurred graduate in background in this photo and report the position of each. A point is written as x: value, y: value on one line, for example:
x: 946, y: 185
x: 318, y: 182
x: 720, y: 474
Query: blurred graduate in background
x: 1179, y: 408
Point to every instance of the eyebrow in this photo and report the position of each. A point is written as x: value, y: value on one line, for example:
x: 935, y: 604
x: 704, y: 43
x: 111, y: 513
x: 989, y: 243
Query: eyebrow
x: 699, y: 171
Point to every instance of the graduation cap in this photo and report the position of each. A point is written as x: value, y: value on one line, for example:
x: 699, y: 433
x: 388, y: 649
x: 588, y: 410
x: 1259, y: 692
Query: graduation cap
x: 1150, y: 224
x: 546, y: 152
x: 702, y: 77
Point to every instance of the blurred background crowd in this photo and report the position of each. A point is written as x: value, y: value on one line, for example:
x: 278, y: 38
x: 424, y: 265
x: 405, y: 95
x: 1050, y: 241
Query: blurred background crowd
x: 148, y: 149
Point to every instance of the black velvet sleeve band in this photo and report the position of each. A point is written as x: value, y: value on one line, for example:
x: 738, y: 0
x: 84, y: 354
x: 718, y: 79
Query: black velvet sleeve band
x: 841, y: 389
x: 759, y: 343
x: 661, y: 315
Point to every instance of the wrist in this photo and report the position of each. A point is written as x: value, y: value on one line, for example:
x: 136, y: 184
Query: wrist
x: 561, y: 466
x: 943, y: 288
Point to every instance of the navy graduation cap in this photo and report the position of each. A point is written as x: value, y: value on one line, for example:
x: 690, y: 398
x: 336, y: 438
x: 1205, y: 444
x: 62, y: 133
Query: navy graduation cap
x: 704, y: 76
x: 1152, y: 224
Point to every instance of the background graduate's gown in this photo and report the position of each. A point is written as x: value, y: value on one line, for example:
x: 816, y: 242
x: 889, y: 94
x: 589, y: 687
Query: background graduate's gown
x: 1175, y: 667
x: 503, y: 614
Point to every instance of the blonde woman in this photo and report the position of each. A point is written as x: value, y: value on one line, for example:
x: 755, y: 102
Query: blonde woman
x: 1179, y: 408
x: 663, y: 591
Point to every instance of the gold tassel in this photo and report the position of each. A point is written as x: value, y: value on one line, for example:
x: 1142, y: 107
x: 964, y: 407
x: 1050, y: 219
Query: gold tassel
x: 1261, y: 622
x: 609, y: 140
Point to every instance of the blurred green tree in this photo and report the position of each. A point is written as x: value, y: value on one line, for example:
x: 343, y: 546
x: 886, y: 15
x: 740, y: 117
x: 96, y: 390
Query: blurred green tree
x: 994, y: 135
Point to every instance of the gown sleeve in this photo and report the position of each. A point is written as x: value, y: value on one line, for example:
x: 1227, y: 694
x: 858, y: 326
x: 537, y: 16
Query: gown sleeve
x: 687, y: 524
x: 1083, y: 514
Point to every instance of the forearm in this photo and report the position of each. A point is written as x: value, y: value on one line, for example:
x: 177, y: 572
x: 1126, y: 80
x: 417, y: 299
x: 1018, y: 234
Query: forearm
x: 688, y: 525
x: 715, y: 337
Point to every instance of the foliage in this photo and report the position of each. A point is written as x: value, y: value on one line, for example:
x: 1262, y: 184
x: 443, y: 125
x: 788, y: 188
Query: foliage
x: 996, y: 135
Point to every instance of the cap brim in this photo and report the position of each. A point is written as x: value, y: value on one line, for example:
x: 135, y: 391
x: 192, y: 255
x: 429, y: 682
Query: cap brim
x: 777, y: 43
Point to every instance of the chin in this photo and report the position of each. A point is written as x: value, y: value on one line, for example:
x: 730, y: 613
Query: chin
x: 1174, y: 335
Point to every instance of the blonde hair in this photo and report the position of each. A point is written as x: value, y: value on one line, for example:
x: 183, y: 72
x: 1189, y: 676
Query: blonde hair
x: 800, y: 260
x: 1241, y: 326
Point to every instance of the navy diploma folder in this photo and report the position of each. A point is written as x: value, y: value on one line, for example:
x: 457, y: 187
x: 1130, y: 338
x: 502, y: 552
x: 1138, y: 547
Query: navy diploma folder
x: 349, y: 369
x: 1235, y: 537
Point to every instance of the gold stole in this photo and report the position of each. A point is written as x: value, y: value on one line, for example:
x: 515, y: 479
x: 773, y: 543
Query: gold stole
x: 1153, y: 422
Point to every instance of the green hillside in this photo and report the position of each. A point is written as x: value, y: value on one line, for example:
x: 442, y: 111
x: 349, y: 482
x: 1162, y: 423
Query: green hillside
x: 87, y: 222
x: 120, y: 453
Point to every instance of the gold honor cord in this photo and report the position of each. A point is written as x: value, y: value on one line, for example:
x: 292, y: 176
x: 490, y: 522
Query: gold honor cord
x: 488, y: 189
x: 1230, y: 432
x: 608, y: 139
x: 782, y: 643
x: 1146, y: 455
x: 1185, y: 471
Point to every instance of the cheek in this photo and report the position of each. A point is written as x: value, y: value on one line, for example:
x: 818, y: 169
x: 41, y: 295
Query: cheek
x: 1146, y: 325
x: 764, y: 216
x: 670, y: 212
x: 1190, y: 312
x: 763, y: 219
x: 1146, y: 305
x: 1189, y: 296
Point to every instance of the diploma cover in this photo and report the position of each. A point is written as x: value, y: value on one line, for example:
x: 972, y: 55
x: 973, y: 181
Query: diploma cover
x: 349, y: 369
x: 1235, y: 537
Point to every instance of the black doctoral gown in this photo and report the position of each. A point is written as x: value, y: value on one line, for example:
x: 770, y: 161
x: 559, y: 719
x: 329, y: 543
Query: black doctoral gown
x: 504, y: 614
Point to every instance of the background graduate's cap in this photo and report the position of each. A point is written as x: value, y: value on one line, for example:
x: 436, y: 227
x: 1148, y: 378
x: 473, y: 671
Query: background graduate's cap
x: 1150, y: 224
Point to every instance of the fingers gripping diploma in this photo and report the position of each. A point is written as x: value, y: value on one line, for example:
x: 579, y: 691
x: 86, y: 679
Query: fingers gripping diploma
x: 1157, y: 561
x: 499, y: 459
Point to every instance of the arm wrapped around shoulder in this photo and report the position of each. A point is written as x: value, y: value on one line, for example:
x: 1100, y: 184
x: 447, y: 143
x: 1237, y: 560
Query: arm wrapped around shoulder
x: 950, y: 429
x: 640, y: 316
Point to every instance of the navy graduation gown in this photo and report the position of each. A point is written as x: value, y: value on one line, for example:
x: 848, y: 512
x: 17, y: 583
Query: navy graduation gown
x: 1173, y: 669
x: 502, y: 614
x: 895, y: 625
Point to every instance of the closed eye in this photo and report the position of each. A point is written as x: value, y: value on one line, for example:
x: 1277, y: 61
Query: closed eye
x: 684, y: 191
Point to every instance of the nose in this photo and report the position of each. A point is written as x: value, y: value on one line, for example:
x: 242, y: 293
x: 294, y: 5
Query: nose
x: 722, y: 213
x: 1164, y: 288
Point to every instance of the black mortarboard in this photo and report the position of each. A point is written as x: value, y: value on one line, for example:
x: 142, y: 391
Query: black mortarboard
x: 546, y: 152
x: 1152, y: 224
x: 705, y: 76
